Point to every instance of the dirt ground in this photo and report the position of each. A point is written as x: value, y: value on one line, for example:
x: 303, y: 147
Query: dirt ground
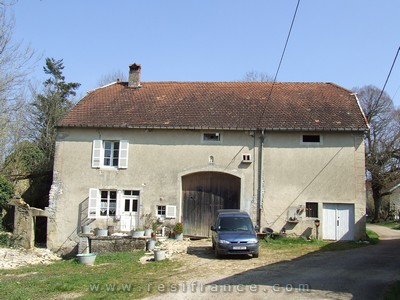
x: 198, y: 255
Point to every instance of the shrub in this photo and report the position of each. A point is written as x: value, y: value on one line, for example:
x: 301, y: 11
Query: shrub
x: 6, y: 191
x: 178, y: 228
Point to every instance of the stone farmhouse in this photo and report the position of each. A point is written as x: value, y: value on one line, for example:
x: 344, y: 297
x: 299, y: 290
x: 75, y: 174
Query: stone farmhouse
x: 288, y: 153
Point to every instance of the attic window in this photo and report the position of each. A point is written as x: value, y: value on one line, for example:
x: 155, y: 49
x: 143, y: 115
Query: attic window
x: 313, y: 139
x: 211, y: 137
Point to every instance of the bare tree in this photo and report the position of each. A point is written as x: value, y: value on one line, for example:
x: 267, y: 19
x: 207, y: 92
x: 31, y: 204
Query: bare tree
x: 382, y: 142
x: 16, y: 62
x: 112, y: 77
x: 253, y: 76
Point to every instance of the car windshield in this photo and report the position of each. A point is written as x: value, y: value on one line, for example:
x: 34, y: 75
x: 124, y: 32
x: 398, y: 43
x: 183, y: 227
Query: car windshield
x: 234, y: 224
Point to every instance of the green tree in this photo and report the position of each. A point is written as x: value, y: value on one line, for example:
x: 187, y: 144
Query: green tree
x: 382, y: 142
x: 51, y: 105
x: 26, y: 160
x: 6, y: 191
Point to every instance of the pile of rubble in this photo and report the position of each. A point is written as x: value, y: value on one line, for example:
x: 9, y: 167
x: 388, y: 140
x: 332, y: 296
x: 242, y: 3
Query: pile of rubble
x: 173, y: 248
x: 11, y: 258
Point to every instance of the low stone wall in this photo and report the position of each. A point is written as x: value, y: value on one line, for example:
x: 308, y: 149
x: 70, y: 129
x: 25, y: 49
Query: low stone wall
x: 109, y: 244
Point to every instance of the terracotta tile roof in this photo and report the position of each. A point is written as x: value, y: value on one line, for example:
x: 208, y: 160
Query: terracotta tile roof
x: 220, y: 105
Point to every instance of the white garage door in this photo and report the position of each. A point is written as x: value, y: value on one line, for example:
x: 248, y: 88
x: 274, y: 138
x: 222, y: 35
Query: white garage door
x: 338, y: 222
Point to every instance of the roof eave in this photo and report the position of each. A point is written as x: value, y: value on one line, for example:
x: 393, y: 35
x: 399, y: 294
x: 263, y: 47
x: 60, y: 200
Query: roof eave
x: 184, y: 127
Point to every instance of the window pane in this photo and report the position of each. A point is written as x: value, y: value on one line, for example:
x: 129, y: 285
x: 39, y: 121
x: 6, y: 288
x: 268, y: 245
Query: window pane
x: 107, y: 145
x: 113, y: 194
x: 161, y: 210
x: 127, y: 203
x: 135, y: 193
x: 103, y: 207
x: 312, y: 209
x: 112, y: 209
x: 134, y: 205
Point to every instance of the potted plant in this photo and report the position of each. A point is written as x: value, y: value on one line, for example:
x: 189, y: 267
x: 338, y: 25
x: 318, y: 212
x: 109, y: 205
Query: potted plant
x: 178, y: 230
x: 138, y: 232
x: 148, y: 224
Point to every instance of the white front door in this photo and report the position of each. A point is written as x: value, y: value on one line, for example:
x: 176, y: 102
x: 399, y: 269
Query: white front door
x: 338, y: 222
x: 129, y: 210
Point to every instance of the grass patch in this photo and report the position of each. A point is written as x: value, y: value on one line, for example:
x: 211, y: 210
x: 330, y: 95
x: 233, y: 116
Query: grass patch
x: 393, y: 292
x: 114, y: 276
x: 296, y: 244
x: 390, y: 224
x: 372, y: 237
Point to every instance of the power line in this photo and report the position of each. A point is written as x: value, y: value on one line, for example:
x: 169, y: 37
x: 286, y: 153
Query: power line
x: 387, y: 78
x: 280, y: 61
x: 287, y: 40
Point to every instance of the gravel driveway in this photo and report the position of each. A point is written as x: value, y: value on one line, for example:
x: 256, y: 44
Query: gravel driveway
x: 352, y: 274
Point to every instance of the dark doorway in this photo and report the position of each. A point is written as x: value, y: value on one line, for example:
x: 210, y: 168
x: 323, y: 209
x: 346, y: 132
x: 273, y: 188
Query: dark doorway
x: 40, y: 232
x: 203, y: 193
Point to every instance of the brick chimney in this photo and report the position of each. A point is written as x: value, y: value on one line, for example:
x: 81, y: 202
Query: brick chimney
x: 134, y: 75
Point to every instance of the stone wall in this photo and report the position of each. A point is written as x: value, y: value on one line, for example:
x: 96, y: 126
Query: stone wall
x: 109, y: 244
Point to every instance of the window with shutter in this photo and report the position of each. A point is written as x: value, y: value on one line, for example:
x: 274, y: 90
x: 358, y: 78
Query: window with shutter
x: 170, y: 211
x: 123, y: 155
x: 96, y: 153
x: 94, y: 196
x: 110, y: 154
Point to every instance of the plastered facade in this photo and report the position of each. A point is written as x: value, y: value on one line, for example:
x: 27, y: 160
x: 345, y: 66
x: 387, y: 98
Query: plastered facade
x: 292, y: 174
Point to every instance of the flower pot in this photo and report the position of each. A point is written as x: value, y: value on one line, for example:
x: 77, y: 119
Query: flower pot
x: 86, y: 258
x: 110, y: 230
x: 159, y: 255
x: 102, y: 232
x: 179, y: 236
x: 85, y: 229
x: 150, y: 245
x: 137, y: 233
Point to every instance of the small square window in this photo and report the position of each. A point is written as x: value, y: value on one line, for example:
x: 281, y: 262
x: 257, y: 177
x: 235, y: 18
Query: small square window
x: 161, y: 210
x: 311, y: 138
x: 312, y: 209
x: 211, y: 137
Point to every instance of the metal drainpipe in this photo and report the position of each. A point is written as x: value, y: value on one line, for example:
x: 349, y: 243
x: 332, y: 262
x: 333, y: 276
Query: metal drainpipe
x: 260, y: 179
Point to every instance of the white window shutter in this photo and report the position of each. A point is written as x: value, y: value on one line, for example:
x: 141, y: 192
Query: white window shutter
x: 123, y: 154
x: 94, y: 199
x: 96, y: 153
x: 170, y: 211
x: 120, y: 203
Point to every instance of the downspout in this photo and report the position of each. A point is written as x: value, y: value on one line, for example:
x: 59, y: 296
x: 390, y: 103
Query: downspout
x: 260, y: 179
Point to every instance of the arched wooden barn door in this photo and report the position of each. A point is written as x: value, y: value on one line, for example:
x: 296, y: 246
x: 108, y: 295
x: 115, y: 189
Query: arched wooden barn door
x: 203, y: 193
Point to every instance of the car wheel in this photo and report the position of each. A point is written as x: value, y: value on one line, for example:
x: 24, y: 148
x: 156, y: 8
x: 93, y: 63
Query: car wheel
x: 255, y: 255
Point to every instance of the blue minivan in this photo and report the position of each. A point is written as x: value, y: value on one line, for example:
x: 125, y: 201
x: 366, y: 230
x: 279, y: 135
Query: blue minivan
x: 233, y: 233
